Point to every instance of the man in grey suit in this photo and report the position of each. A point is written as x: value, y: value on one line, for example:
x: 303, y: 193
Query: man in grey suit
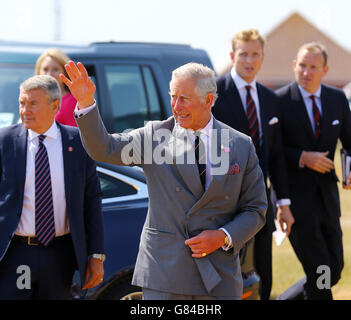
x: 206, y: 190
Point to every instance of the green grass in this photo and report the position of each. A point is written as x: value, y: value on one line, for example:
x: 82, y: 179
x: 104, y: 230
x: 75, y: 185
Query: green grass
x: 286, y: 267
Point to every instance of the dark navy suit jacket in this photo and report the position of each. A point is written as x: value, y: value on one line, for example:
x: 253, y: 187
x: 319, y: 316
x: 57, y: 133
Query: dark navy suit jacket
x: 82, y: 190
x: 298, y: 135
x: 229, y: 109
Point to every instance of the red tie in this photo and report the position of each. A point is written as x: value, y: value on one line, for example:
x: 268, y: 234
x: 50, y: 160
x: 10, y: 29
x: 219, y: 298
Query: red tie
x: 317, y: 117
x: 252, y: 118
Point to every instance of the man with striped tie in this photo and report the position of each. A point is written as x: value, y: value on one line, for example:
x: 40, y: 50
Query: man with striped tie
x: 313, y: 117
x: 248, y: 106
x: 50, y: 201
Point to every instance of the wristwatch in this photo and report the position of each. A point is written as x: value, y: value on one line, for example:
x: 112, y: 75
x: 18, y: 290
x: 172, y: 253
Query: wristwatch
x: 99, y: 256
x: 226, y: 241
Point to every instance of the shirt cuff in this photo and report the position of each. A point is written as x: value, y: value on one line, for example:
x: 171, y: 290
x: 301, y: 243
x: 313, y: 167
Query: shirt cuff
x: 230, y: 242
x: 82, y: 112
x: 283, y: 202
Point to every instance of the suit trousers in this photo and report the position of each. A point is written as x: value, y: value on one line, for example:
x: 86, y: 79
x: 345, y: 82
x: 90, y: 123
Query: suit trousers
x: 317, y: 242
x: 35, y: 272
x: 150, y: 294
x: 263, y: 252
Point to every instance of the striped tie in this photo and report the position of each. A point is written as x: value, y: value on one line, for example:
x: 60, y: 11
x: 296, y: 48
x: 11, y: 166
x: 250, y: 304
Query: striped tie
x: 316, y: 117
x: 200, y: 156
x: 252, y: 118
x: 44, y: 209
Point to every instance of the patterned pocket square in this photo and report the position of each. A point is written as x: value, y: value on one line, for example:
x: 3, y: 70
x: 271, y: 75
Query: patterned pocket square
x: 234, y: 169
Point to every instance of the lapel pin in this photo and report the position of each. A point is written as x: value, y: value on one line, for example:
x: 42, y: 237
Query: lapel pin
x: 70, y: 149
x: 225, y: 149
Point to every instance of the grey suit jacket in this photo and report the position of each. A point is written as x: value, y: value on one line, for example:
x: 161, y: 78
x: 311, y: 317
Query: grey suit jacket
x: 179, y: 209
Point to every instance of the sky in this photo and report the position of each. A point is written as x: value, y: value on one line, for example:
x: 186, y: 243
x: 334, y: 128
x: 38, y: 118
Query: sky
x: 205, y: 24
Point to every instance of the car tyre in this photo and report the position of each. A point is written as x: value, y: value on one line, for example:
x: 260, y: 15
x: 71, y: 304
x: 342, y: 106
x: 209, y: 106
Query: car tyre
x: 122, y: 289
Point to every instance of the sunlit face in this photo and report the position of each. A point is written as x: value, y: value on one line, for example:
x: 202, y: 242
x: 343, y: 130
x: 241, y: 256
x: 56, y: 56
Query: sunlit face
x: 52, y: 67
x: 189, y: 110
x: 37, y: 111
x: 309, y: 69
x: 247, y: 59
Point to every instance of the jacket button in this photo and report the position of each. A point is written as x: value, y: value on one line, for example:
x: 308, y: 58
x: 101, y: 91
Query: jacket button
x: 226, y: 197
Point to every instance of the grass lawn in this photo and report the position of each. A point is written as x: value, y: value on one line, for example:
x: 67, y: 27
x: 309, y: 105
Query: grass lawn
x: 287, y: 269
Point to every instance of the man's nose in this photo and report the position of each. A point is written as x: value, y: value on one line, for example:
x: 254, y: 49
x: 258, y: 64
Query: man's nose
x: 176, y: 104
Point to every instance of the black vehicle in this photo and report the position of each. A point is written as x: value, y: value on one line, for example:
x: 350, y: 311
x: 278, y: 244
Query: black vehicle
x: 132, y: 81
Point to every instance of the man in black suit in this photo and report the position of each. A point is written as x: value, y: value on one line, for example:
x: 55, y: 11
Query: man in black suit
x: 313, y: 117
x: 50, y: 201
x: 249, y: 107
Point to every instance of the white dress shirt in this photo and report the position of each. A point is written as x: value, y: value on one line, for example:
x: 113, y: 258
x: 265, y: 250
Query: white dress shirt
x: 53, y: 144
x: 205, y: 136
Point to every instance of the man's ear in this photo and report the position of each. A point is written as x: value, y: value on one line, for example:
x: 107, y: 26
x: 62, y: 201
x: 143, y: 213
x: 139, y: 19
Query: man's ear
x: 209, y: 99
x: 55, y: 105
x: 232, y: 55
x: 326, y: 69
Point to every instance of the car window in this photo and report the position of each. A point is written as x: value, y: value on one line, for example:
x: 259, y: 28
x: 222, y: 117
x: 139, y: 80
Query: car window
x: 11, y: 76
x: 154, y: 101
x: 133, y: 95
x: 112, y: 187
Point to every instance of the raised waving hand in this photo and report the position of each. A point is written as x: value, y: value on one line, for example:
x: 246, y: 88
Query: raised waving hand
x: 79, y: 83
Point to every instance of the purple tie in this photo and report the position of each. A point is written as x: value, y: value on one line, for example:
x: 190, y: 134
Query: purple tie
x: 44, y: 208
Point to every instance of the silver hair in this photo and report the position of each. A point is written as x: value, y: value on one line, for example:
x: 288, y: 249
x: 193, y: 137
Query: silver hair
x: 204, y: 76
x: 48, y: 83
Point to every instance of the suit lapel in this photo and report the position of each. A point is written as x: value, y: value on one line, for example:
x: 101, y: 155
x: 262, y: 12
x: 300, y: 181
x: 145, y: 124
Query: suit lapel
x: 69, y: 159
x: 326, y: 115
x: 189, y: 172
x: 239, y: 118
x: 263, y: 113
x: 301, y: 112
x: 218, y: 145
x: 21, y: 158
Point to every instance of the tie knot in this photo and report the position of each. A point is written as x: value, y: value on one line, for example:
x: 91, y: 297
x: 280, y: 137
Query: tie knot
x: 42, y: 138
x: 248, y: 88
x: 312, y: 97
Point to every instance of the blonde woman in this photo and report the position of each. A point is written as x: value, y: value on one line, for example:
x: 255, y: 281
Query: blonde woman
x: 51, y: 63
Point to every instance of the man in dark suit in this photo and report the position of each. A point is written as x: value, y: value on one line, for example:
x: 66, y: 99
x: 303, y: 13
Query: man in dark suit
x: 249, y: 107
x: 50, y: 201
x: 313, y: 118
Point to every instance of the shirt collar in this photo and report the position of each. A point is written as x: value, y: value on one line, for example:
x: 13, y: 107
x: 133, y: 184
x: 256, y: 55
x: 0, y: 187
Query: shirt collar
x: 205, y: 130
x: 240, y: 82
x: 52, y: 132
x: 306, y: 94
